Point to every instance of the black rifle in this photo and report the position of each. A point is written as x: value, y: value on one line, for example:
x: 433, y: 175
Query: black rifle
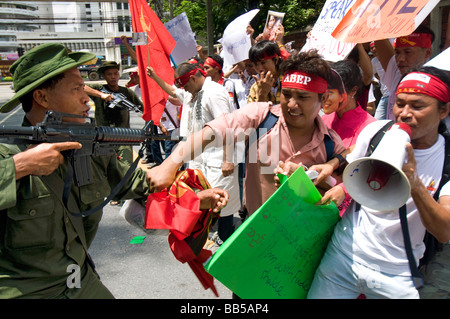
x: 120, y: 100
x: 95, y: 141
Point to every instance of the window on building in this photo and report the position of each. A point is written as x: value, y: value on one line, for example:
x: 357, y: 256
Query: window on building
x: 120, y: 24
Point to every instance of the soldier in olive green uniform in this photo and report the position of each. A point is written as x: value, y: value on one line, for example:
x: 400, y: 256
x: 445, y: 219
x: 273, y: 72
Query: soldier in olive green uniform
x: 117, y: 116
x: 43, y: 248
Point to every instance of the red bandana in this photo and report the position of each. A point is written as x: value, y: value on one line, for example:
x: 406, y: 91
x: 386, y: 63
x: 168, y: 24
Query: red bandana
x: 418, y: 82
x: 213, y: 63
x: 421, y: 40
x: 183, y: 79
x: 304, y: 81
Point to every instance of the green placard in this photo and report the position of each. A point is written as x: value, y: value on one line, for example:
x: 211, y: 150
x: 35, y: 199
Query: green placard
x: 276, y: 251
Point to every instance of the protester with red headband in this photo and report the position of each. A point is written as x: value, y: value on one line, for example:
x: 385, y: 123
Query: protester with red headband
x: 267, y: 58
x: 203, y: 101
x: 367, y: 253
x: 398, y: 58
x: 297, y: 135
x: 213, y: 66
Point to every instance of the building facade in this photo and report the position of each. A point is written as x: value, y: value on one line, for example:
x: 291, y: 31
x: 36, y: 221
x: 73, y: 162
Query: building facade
x: 15, y: 17
x: 89, y: 26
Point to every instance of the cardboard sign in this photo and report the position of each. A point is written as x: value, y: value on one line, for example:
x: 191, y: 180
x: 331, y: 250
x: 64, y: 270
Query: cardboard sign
x: 370, y: 20
x: 180, y: 29
x: 320, y: 37
x: 274, y: 254
x: 441, y: 60
x: 236, y: 42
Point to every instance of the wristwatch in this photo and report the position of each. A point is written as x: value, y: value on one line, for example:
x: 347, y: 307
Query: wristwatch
x: 342, y: 160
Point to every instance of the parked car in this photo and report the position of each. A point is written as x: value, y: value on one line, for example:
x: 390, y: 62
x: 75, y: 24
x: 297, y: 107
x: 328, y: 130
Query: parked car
x: 91, y: 70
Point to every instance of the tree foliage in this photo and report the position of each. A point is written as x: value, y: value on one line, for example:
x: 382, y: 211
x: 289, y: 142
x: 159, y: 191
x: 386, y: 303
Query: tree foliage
x: 299, y: 14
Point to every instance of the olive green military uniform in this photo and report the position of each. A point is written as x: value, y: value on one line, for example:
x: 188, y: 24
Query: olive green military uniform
x: 40, y: 249
x: 115, y: 117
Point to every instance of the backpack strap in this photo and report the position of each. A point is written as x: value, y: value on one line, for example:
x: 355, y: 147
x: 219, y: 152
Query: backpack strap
x: 268, y: 123
x: 431, y: 243
x: 329, y: 146
x: 446, y: 169
x: 377, y: 138
x: 415, y: 273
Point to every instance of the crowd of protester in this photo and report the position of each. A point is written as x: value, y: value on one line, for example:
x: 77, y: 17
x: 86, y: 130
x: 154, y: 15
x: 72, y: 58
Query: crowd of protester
x: 318, y: 115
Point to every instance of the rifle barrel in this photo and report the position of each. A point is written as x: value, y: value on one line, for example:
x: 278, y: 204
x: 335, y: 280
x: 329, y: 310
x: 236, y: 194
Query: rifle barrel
x: 6, y: 130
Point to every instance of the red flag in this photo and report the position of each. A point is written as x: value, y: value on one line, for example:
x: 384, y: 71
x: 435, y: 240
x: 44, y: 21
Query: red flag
x: 178, y: 209
x: 156, y: 54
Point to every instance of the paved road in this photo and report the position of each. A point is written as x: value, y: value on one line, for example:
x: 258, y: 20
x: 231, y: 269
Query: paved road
x: 134, y: 271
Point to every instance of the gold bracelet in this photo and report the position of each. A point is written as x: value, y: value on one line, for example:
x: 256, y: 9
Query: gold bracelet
x: 281, y: 45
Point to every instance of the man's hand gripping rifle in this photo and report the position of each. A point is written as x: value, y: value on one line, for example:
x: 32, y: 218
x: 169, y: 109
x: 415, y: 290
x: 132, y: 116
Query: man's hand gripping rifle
x: 120, y: 100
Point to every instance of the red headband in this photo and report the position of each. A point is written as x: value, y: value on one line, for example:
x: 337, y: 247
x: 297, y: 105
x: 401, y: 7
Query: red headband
x: 421, y: 40
x: 283, y: 54
x: 304, y: 81
x: 211, y: 62
x: 183, y: 79
x: 418, y: 82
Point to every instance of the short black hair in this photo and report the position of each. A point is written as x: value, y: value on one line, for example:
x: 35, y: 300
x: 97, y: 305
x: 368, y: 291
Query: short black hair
x: 350, y: 74
x: 335, y: 82
x: 310, y: 62
x: 27, y: 99
x: 424, y: 29
x: 217, y: 58
x: 263, y: 49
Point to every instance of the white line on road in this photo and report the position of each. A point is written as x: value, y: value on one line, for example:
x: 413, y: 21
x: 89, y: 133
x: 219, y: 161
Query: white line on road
x: 6, y: 118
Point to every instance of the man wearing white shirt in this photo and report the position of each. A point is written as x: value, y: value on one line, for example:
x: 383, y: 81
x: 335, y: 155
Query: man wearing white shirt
x: 366, y: 254
x: 380, y: 113
x: 406, y: 53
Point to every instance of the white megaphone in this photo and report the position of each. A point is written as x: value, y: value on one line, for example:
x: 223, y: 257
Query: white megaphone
x: 378, y: 181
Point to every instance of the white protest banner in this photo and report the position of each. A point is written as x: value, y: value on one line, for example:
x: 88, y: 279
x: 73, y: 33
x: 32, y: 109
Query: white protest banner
x: 180, y: 29
x: 370, y: 20
x: 236, y: 42
x: 441, y: 61
x: 320, y: 37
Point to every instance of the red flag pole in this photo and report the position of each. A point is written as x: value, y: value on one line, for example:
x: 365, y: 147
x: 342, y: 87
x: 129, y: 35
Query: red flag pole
x: 156, y: 54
